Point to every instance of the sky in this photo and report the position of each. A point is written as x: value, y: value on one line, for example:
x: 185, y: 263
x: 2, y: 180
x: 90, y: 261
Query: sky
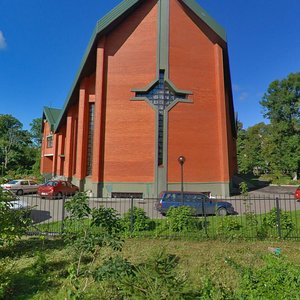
x: 42, y: 43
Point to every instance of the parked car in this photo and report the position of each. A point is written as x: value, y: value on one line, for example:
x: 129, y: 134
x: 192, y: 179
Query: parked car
x: 21, y: 186
x: 297, y: 193
x: 14, y: 201
x: 57, y: 189
x: 198, y: 201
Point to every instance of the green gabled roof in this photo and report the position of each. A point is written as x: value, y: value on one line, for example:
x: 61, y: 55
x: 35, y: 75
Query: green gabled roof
x: 206, y: 18
x: 52, y: 115
x: 105, y: 24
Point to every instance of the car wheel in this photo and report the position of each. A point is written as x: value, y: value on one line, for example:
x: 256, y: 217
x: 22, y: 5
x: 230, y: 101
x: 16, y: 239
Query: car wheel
x: 59, y: 195
x: 221, y: 212
x: 19, y: 192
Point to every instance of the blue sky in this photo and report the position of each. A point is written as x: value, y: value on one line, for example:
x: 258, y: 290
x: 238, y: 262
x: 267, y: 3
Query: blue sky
x: 42, y: 43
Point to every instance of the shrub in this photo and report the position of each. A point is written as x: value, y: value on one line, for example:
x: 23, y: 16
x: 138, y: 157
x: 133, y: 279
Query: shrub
x: 114, y: 268
x: 228, y: 227
x: 181, y: 219
x: 100, y: 232
x: 136, y: 217
x: 270, y: 223
x: 13, y: 223
x: 157, y: 278
x: 277, y: 279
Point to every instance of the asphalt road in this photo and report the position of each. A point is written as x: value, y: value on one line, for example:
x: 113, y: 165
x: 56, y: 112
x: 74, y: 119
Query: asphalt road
x: 259, y: 201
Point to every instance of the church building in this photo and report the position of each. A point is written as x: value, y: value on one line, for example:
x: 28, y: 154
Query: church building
x: 153, y: 85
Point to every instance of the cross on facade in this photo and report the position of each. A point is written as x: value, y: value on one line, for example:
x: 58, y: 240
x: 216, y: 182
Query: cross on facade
x: 161, y: 95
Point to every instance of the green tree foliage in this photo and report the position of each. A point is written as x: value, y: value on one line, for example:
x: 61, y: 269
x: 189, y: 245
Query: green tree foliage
x: 36, y: 132
x: 13, y: 223
x: 19, y: 149
x: 274, y: 147
x: 281, y: 106
x: 252, y: 148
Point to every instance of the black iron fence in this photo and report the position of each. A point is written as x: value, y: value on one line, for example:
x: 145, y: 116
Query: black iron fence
x: 259, y: 217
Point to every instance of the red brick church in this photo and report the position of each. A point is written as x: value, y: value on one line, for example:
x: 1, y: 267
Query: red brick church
x: 154, y: 84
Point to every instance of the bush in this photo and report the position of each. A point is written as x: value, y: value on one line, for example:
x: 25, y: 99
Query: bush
x: 270, y: 223
x: 181, y: 219
x: 13, y: 223
x: 229, y: 227
x: 140, y: 220
x: 277, y: 279
x: 156, y: 279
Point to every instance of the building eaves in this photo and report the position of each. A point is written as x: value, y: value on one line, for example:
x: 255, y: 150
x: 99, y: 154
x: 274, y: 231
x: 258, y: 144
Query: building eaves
x: 206, y: 18
x: 103, y: 25
x: 107, y: 22
x: 52, y: 116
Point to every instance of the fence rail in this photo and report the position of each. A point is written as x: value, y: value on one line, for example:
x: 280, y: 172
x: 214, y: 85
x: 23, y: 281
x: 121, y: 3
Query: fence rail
x: 255, y: 217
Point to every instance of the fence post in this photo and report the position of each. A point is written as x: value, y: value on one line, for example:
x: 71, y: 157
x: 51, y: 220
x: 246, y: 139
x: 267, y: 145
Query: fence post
x: 63, y: 214
x: 131, y: 215
x: 278, y: 218
x: 205, y: 219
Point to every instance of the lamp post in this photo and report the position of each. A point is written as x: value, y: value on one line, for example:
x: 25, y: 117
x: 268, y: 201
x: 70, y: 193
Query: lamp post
x: 181, y: 160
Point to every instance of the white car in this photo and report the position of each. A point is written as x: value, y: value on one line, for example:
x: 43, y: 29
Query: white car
x: 21, y: 186
x: 14, y: 201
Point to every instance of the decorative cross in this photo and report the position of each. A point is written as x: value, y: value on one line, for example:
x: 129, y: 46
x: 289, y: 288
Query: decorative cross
x: 161, y: 95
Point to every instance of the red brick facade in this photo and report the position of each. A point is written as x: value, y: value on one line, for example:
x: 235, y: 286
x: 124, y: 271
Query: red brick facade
x: 124, y: 141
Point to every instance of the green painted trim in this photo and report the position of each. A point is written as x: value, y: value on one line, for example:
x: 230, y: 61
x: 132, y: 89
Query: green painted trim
x: 206, y: 18
x: 163, y: 38
x: 173, y: 87
x: 52, y: 116
x: 147, y: 87
x: 124, y: 7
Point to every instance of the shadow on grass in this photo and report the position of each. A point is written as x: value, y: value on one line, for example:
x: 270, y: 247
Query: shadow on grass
x: 31, y: 280
x: 29, y: 246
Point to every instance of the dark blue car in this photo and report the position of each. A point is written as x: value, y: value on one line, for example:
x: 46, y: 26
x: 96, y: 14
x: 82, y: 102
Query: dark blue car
x: 201, y: 204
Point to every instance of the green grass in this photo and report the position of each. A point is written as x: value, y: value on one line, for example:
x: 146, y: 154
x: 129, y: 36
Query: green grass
x: 198, y: 261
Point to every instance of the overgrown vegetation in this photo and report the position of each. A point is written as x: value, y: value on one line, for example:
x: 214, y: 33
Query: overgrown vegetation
x: 274, y: 148
x: 153, y: 269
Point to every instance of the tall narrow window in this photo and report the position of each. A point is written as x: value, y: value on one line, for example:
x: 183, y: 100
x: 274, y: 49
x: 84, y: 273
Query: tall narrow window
x: 90, y: 139
x: 49, y: 141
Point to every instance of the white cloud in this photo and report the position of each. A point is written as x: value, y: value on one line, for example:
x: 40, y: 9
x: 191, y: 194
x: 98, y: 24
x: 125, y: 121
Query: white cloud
x: 2, y: 41
x: 243, y: 96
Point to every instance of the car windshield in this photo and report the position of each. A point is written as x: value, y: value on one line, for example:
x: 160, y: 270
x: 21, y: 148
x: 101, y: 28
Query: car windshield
x: 13, y: 182
x: 51, y: 183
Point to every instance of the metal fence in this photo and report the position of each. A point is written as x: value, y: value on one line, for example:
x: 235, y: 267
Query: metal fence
x: 259, y: 217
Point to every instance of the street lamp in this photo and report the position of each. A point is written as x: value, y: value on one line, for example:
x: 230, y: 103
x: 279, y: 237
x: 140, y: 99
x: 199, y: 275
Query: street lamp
x: 181, y: 160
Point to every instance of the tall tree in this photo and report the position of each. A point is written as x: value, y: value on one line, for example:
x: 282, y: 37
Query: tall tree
x: 251, y: 148
x: 281, y: 105
x: 11, y: 136
x: 36, y: 131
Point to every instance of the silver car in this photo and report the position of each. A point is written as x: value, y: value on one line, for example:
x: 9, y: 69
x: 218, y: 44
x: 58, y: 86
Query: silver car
x: 21, y: 186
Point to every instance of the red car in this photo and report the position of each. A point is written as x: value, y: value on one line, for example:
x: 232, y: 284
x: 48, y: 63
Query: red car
x: 57, y: 189
x: 297, y: 193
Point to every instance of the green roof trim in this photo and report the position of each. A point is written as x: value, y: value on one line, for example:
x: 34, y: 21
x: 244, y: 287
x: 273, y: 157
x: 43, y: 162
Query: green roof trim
x: 206, y: 18
x: 101, y: 25
x: 52, y: 115
x: 121, y: 10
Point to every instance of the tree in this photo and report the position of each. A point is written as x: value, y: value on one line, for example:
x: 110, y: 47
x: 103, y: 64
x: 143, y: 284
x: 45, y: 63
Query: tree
x: 36, y: 132
x: 17, y: 151
x: 281, y: 105
x: 251, y: 147
x: 11, y: 135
